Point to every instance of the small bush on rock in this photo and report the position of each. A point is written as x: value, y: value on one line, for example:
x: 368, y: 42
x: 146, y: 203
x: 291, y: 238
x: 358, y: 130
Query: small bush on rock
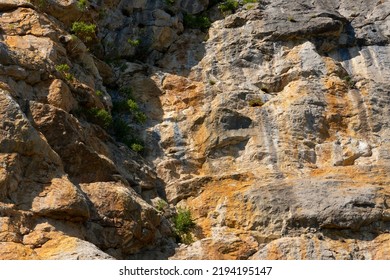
x: 100, y: 117
x: 183, y: 223
x: 228, y: 6
x: 196, y: 22
x: 85, y: 31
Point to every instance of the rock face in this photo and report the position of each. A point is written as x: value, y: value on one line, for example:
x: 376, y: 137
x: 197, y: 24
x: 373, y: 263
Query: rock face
x: 66, y: 187
x: 272, y: 127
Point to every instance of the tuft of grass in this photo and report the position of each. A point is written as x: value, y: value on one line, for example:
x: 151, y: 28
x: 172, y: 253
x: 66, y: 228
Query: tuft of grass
x: 228, y: 6
x: 161, y: 204
x: 99, y: 93
x: 128, y: 105
x: 132, y: 105
x: 140, y: 117
x: 136, y: 147
x: 183, y: 223
x: 85, y: 31
x: 62, y: 68
x: 100, y: 117
x: 82, y: 5
x: 69, y: 76
x: 349, y: 81
x: 250, y: 1
x: 134, y: 43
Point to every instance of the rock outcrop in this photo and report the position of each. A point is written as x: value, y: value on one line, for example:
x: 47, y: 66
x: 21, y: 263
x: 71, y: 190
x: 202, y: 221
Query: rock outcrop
x: 271, y: 126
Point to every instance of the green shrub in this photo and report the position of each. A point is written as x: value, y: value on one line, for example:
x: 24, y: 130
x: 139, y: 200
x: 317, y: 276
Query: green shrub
x: 125, y: 134
x: 129, y: 106
x: 134, y: 43
x: 249, y: 1
x: 136, y: 147
x: 132, y: 105
x: 183, y: 223
x: 161, y: 204
x: 42, y: 4
x: 69, y: 76
x: 125, y: 106
x: 99, y: 93
x: 196, y: 22
x: 82, y: 5
x: 85, y: 31
x: 62, y: 68
x: 100, y: 117
x: 349, y: 81
x: 140, y: 117
x: 228, y: 6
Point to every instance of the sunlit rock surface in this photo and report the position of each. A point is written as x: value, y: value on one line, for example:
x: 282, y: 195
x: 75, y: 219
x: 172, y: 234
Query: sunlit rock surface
x: 272, y: 127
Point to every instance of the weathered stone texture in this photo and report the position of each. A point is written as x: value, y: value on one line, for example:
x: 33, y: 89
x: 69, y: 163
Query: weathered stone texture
x: 272, y: 127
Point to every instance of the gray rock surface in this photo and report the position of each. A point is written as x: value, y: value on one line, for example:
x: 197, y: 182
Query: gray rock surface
x: 272, y: 127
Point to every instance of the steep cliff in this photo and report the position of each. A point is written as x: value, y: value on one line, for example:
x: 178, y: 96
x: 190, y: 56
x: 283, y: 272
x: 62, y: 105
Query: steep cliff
x: 268, y: 120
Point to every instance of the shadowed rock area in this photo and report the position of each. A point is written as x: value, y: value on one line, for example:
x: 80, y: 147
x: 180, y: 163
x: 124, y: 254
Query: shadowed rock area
x: 269, y: 122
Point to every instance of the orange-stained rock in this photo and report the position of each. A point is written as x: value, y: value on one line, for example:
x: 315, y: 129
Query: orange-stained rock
x: 271, y: 127
x: 70, y: 248
x: 60, y: 96
x: 16, y: 251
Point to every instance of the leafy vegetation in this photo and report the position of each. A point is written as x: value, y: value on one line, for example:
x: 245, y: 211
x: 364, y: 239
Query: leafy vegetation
x: 250, y: 1
x: 137, y: 147
x: 183, y: 223
x: 196, y: 22
x: 100, y: 117
x: 128, y: 105
x: 82, y: 5
x: 134, y: 43
x: 161, y: 204
x: 126, y: 111
x: 85, y: 31
x: 349, y: 81
x: 64, y: 70
x: 42, y: 3
x: 228, y: 6
x: 132, y: 105
x: 140, y: 117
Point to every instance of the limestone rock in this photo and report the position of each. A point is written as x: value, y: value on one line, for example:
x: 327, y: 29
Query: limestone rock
x: 60, y: 96
x: 70, y: 248
x: 17, y: 251
x: 271, y: 127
